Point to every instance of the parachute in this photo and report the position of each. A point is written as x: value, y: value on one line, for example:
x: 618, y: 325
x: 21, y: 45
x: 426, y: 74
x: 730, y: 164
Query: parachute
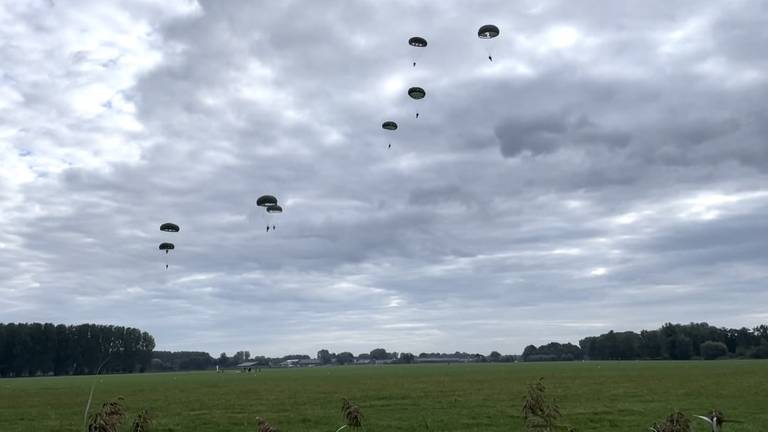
x: 417, y: 42
x: 488, y: 31
x: 266, y: 201
x: 416, y: 93
x: 169, y: 227
x: 274, y: 209
x: 389, y: 125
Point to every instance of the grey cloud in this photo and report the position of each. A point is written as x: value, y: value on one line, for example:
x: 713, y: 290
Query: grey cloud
x: 492, y: 213
x: 546, y: 133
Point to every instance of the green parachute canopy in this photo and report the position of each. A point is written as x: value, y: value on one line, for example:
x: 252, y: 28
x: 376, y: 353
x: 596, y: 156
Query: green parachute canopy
x: 266, y: 201
x: 418, y: 42
x: 389, y: 125
x: 166, y: 247
x: 169, y: 227
x: 416, y: 93
x: 488, y: 31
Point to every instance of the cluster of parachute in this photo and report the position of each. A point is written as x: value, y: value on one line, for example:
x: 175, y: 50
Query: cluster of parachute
x: 268, y: 202
x: 168, y: 246
x: 488, y: 31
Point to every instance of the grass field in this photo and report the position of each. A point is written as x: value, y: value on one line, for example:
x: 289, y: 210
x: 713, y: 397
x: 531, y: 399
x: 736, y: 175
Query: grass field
x: 593, y: 396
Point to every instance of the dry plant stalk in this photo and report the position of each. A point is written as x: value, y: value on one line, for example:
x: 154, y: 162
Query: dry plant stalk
x: 675, y: 422
x: 541, y: 413
x: 352, y: 416
x: 109, y: 418
x: 264, y: 426
x: 142, y: 422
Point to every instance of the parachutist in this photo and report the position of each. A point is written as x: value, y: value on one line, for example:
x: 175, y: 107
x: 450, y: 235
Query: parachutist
x: 490, y: 58
x: 417, y: 115
x: 389, y: 146
x: 414, y: 64
x: 166, y: 266
x: 273, y: 228
x: 267, y: 228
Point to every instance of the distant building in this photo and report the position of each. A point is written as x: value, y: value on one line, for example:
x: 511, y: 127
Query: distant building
x: 289, y: 363
x: 301, y: 363
x: 248, y: 366
x: 442, y: 360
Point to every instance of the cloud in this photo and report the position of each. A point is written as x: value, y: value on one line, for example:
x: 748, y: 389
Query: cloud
x: 607, y: 170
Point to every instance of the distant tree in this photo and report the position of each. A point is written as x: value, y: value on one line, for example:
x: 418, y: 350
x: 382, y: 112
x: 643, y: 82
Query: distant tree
x: 240, y: 357
x: 760, y: 351
x: 761, y: 331
x: 711, y: 350
x: 364, y: 356
x: 407, y: 358
x: 529, y: 351
x: 28, y: 349
x: 682, y: 347
x: 495, y: 356
x: 324, y: 356
x: 157, y: 365
x: 345, y: 357
x: 379, y: 354
x: 553, y: 351
x: 650, y: 344
x: 223, y: 361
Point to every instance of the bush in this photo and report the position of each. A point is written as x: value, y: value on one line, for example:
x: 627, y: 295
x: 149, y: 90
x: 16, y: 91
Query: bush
x: 759, y: 352
x: 711, y: 350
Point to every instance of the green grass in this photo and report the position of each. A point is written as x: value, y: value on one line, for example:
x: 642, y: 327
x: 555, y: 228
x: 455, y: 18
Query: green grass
x: 593, y: 396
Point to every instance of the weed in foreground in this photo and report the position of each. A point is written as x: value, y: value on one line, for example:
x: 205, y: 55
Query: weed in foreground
x: 351, y: 415
x: 264, y: 426
x: 676, y: 422
x: 540, y: 412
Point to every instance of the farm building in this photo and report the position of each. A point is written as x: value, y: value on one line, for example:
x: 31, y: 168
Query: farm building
x: 442, y: 360
x: 248, y: 366
x: 300, y: 363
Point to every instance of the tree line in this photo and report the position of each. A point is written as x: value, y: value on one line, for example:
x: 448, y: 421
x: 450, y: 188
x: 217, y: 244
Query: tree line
x: 670, y: 342
x: 31, y: 349
x: 48, y: 349
x: 679, y: 342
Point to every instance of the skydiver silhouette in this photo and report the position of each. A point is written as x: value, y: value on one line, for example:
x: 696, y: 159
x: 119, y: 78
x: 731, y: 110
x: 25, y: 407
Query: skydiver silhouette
x: 417, y: 115
x: 267, y: 228
x: 389, y: 146
x: 414, y: 64
x: 166, y: 266
x: 490, y: 58
x: 273, y: 228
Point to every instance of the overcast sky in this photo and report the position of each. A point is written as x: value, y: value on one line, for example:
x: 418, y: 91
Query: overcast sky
x: 608, y: 170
